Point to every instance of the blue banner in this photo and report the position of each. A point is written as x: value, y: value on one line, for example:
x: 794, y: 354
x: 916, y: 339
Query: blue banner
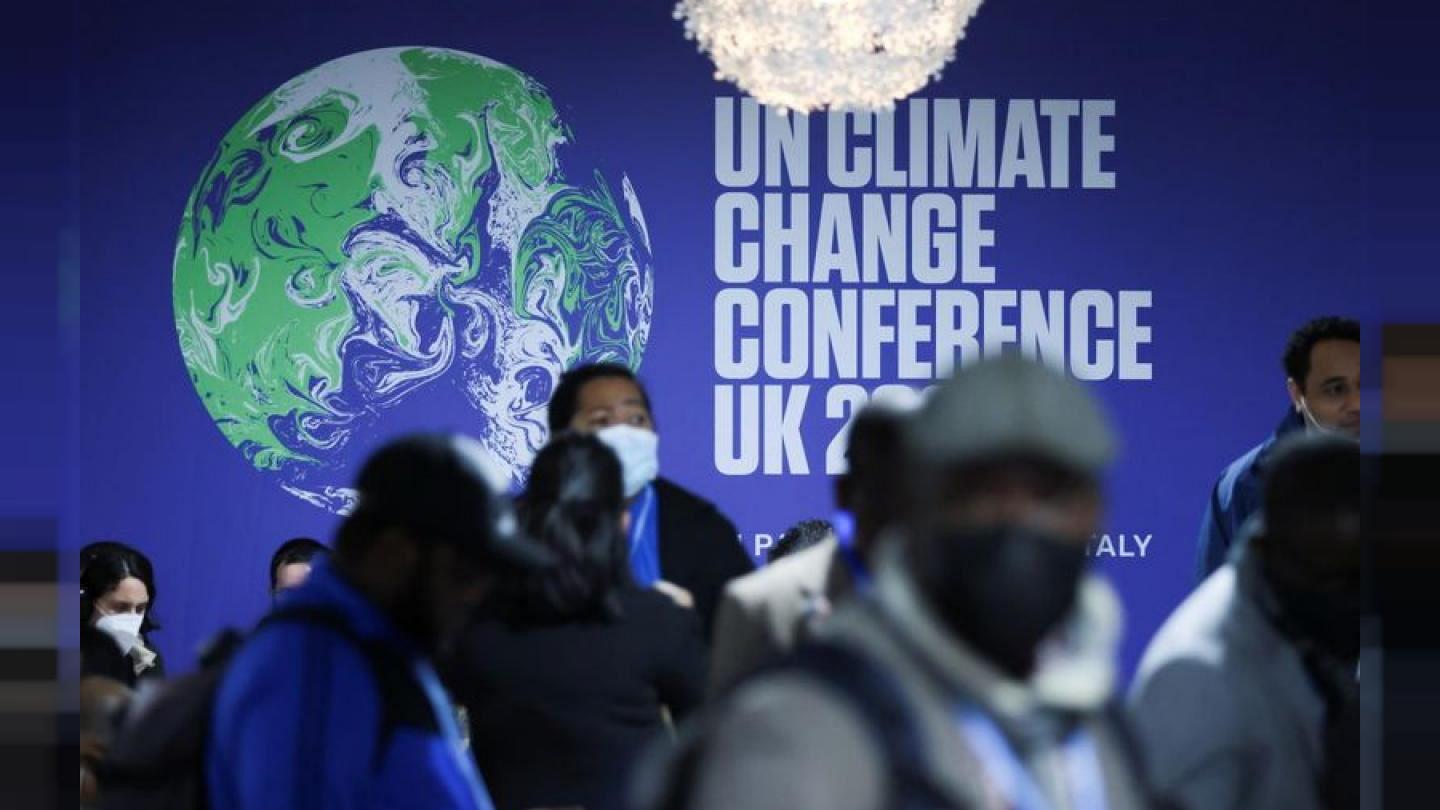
x: 301, y: 229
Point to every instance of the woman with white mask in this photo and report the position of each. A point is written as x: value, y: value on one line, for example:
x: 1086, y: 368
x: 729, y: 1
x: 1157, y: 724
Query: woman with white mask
x: 117, y: 594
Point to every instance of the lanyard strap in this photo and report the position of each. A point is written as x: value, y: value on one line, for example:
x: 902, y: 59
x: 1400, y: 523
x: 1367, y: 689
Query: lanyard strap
x: 644, y: 539
x: 844, y: 526
x: 642, y: 518
x: 1013, y: 780
x: 444, y: 709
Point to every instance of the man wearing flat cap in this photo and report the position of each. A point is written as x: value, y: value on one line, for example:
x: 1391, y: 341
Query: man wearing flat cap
x: 978, y: 671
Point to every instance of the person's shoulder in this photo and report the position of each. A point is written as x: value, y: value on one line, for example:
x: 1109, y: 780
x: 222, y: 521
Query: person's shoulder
x: 1196, y: 635
x: 644, y: 603
x: 1239, y: 472
x: 647, y: 607
x: 674, y: 496
x: 288, y: 671
x: 1242, y: 472
x: 784, y: 735
x: 709, y: 533
x: 803, y: 571
x: 1197, y: 690
x: 798, y: 696
x: 281, y: 655
x: 1184, y: 712
x: 101, y: 655
x: 678, y: 502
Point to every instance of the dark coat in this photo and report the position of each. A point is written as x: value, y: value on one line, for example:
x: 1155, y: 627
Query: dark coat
x: 699, y: 548
x: 558, y: 712
x: 100, y: 655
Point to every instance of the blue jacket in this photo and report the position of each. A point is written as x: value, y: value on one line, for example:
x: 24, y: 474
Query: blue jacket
x: 1236, y: 497
x: 297, y: 720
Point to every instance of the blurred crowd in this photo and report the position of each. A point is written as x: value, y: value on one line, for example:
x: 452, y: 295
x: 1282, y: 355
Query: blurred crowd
x: 600, y: 640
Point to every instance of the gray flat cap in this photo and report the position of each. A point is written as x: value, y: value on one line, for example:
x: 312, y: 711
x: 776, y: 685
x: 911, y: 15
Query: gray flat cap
x: 1011, y: 405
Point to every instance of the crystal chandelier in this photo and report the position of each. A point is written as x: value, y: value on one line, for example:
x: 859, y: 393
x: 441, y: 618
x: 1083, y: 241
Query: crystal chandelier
x: 843, y: 54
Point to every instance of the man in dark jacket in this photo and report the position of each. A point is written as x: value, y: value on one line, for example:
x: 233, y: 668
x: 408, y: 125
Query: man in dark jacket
x: 679, y: 542
x: 1322, y: 374
x: 976, y: 673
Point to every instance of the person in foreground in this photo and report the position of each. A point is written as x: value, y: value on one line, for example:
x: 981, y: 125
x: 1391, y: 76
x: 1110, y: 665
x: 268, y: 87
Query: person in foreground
x: 960, y: 683
x: 1247, y: 697
x: 344, y: 709
x: 569, y: 684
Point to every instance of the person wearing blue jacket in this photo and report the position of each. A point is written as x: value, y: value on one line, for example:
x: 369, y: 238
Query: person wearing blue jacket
x: 1322, y: 375
x: 334, y: 702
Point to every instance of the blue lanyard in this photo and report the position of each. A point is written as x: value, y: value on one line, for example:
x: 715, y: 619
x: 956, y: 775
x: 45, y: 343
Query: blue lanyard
x: 642, y: 518
x: 1015, y: 783
x: 444, y: 710
x: 844, y: 526
x: 644, y: 539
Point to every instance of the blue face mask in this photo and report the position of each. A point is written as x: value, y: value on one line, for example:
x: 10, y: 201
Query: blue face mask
x: 639, y: 452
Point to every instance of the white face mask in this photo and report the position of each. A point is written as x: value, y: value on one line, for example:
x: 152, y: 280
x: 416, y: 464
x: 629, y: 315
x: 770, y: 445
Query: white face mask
x: 123, y: 627
x: 639, y: 453
x: 1313, y: 425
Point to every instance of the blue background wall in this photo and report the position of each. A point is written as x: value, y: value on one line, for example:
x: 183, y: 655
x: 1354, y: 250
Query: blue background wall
x: 1242, y: 203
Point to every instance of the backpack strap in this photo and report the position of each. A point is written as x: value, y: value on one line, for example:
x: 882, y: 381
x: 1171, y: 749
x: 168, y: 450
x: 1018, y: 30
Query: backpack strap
x: 668, y: 775
x: 403, y: 700
x: 1116, y: 720
x: 878, y: 700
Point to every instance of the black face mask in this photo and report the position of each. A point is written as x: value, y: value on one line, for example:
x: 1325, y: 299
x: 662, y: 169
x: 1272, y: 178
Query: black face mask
x: 1002, y: 590
x: 1328, y: 619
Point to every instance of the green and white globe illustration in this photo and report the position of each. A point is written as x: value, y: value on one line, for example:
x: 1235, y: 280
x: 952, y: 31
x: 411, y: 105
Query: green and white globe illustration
x: 390, y: 242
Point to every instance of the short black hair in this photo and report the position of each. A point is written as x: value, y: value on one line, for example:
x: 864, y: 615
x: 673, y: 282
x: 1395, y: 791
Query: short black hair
x: 295, y: 550
x: 566, y: 397
x: 799, y: 537
x: 1297, y: 351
